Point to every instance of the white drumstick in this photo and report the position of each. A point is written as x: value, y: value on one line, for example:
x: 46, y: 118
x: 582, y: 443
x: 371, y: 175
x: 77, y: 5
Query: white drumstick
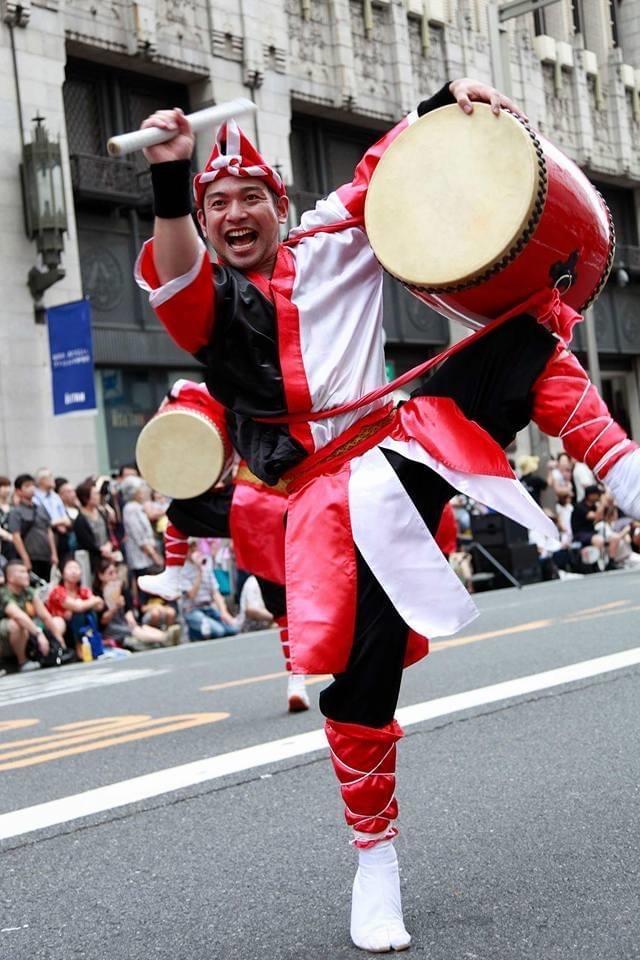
x: 200, y: 120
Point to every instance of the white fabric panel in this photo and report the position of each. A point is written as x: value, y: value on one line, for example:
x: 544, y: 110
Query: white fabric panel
x: 328, y: 210
x: 163, y: 293
x: 623, y: 481
x: 338, y: 294
x: 502, y: 494
x: 401, y: 552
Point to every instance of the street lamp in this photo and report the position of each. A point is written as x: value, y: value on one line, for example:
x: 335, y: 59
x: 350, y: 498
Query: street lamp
x: 44, y: 206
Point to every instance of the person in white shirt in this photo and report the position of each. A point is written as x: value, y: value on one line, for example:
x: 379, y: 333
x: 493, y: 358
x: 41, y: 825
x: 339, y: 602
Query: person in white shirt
x: 253, y: 613
x: 583, y: 477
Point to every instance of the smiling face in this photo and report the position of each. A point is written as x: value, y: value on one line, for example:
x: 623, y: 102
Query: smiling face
x: 241, y: 219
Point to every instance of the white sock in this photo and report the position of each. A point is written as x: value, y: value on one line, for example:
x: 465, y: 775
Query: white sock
x: 376, y: 909
x: 296, y: 693
x: 165, y: 584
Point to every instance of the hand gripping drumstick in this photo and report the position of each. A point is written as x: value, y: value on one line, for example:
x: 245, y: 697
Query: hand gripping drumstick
x: 200, y: 120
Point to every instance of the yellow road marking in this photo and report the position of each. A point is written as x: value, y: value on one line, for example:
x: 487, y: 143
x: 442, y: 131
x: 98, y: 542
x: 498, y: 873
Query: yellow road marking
x: 244, y: 680
x: 16, y: 724
x: 474, y: 637
x: 592, y: 610
x: 80, y: 732
x: 152, y: 728
x: 594, y: 616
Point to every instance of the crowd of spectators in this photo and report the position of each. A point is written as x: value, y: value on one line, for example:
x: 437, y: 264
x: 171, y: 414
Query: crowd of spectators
x: 592, y: 535
x: 70, y: 556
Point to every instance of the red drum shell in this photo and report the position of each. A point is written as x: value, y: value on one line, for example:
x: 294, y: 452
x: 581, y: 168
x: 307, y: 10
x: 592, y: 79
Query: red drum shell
x: 567, y: 241
x: 185, y: 448
x: 575, y: 223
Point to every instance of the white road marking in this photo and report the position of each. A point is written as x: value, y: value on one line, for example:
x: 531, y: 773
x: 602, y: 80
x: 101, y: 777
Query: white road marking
x: 49, y: 683
x: 102, y: 799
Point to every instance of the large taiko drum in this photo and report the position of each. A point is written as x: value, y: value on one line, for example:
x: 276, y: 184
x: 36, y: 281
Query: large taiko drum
x: 185, y: 448
x: 474, y: 214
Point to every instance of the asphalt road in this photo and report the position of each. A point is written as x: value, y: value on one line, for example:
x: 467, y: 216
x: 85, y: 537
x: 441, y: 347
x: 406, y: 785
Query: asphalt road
x: 519, y: 810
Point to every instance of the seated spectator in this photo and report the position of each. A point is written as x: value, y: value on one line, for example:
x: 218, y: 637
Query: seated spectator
x: 583, y: 477
x: 529, y: 478
x: 253, y: 614
x: 564, y: 510
x: 117, y: 619
x: 141, y: 548
x: 47, y: 497
x: 561, y: 474
x: 7, y: 550
x: 586, y: 515
x: 25, y: 617
x: 90, y: 526
x: 158, y: 613
x: 78, y: 606
x: 205, y: 610
x: 30, y: 526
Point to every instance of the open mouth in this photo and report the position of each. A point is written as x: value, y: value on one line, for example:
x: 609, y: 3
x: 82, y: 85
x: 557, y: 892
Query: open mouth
x: 242, y: 239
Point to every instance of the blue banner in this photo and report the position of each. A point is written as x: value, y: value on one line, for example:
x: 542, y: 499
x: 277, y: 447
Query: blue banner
x: 71, y: 353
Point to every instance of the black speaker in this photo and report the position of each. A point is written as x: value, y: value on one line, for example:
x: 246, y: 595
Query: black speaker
x: 494, y: 530
x: 520, y: 559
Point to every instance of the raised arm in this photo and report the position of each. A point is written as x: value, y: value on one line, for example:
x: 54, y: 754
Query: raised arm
x: 567, y: 405
x: 176, y: 242
x: 174, y: 267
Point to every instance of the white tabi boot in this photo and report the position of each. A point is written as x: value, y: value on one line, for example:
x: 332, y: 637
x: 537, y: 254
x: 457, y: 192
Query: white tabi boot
x: 296, y: 693
x: 377, y: 924
x: 165, y: 584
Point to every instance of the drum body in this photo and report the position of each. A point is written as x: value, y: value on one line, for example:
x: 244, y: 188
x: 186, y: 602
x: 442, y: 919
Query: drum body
x: 492, y: 214
x: 185, y: 448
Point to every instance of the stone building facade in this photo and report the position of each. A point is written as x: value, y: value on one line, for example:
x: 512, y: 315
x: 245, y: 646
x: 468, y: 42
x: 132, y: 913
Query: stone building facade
x: 327, y: 77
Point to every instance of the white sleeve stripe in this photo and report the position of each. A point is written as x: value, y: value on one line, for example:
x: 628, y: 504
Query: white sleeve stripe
x: 167, y: 290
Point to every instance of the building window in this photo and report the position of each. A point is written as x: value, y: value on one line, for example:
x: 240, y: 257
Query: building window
x: 539, y: 23
x: 577, y: 15
x: 613, y: 19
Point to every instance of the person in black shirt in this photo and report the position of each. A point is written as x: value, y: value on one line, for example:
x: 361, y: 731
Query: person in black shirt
x: 586, y: 515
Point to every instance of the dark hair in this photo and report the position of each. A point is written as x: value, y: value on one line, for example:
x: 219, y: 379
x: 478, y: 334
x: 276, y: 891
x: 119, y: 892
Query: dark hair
x: 103, y: 565
x: 66, y: 563
x: 21, y: 479
x: 84, y: 491
x: 592, y: 488
x: 59, y: 482
x: 16, y: 562
x: 5, y: 482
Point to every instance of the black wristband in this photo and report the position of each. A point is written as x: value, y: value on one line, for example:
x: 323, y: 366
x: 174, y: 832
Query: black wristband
x: 171, y: 182
x: 440, y: 99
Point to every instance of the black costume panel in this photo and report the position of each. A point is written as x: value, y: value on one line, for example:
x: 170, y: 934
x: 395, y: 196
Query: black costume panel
x: 203, y: 516
x: 243, y: 373
x: 492, y: 378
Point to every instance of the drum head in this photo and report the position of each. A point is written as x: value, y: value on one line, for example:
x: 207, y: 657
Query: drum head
x: 180, y: 454
x: 452, y: 196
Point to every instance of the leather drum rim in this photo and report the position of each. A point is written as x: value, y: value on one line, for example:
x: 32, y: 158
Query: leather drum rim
x: 180, y: 453
x: 513, y: 244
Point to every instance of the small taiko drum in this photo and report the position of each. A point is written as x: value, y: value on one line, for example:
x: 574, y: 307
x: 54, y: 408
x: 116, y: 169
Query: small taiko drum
x: 185, y: 448
x: 474, y: 214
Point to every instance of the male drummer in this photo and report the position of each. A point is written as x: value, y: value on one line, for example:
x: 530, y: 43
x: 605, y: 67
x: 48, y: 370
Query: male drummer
x: 288, y: 329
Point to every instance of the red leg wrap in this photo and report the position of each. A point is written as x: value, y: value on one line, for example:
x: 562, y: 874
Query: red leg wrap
x: 176, y: 546
x: 364, y: 761
x: 568, y: 406
x: 284, y: 640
